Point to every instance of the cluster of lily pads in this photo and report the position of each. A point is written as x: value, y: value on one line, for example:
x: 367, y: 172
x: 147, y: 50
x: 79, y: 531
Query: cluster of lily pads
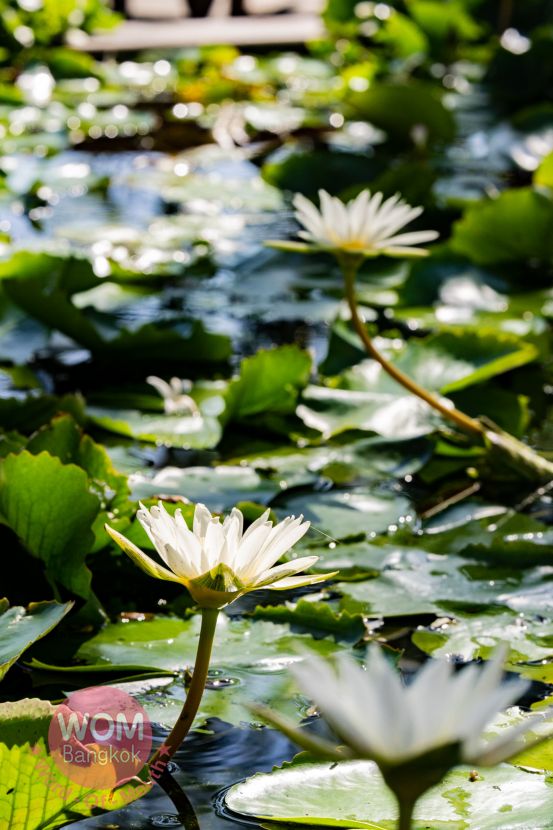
x: 156, y: 355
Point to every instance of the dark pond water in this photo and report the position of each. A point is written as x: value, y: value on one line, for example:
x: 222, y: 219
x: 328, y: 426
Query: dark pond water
x: 202, y: 770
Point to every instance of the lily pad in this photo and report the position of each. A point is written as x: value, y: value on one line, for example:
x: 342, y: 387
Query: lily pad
x: 399, y: 108
x: 473, y: 637
x: 170, y: 643
x: 353, y: 794
x: 228, y: 696
x: 414, y: 582
x: 339, y: 514
x: 185, y: 431
x: 365, y: 397
x: 220, y: 488
x: 20, y: 628
x: 268, y: 382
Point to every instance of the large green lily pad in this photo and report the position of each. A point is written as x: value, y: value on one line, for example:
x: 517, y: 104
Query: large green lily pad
x: 411, y: 581
x: 170, y: 643
x: 353, y: 794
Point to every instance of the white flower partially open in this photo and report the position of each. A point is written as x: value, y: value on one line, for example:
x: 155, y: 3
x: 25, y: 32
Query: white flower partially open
x: 217, y: 561
x: 377, y: 717
x: 367, y: 226
x: 176, y: 401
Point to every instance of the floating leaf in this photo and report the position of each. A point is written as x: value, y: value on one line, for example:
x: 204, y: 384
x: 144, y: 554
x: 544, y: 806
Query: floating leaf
x: 475, y: 637
x: 186, y: 431
x: 339, y: 514
x: 220, y: 488
x: 367, y: 398
x: 353, y: 794
x: 317, y: 617
x: 20, y: 628
x: 170, y: 643
x: 414, y: 582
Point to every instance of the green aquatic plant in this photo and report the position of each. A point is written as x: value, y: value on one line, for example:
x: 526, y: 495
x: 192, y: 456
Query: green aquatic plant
x: 217, y: 562
x: 367, y: 227
x: 417, y: 733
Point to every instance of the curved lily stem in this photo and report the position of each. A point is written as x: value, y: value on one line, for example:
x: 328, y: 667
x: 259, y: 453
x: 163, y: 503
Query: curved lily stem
x: 460, y: 419
x: 506, y: 9
x: 406, y: 810
x: 159, y: 759
x: 185, y: 809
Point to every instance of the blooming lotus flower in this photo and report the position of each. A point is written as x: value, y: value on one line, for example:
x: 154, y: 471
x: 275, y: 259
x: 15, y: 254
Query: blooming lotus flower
x: 175, y: 399
x: 377, y: 717
x: 416, y: 734
x: 367, y: 226
x: 217, y: 561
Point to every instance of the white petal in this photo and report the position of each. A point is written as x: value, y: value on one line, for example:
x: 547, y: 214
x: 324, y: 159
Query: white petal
x: 159, y: 385
x: 250, y: 546
x: 179, y: 564
x: 429, y: 706
x: 508, y: 745
x: 286, y: 569
x: 358, y: 213
x: 279, y: 540
x: 232, y: 529
x: 497, y: 700
x: 235, y: 514
x: 188, y: 546
x: 388, y: 208
x: 213, y: 545
x: 202, y: 518
x: 400, y: 217
x: 392, y: 713
x: 288, y: 583
x: 412, y: 238
x: 308, y: 215
x: 261, y: 520
x: 372, y: 210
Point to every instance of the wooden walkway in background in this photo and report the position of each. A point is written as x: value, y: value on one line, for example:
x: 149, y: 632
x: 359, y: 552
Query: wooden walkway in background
x: 163, y: 24
x: 263, y: 30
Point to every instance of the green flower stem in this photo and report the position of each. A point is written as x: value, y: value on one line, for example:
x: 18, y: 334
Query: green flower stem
x: 406, y: 810
x: 506, y: 9
x: 308, y: 742
x: 195, y: 693
x: 507, y: 450
x: 464, y: 422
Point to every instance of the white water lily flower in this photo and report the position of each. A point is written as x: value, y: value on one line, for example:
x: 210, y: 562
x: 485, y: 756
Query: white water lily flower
x: 417, y: 733
x: 175, y: 399
x: 217, y: 561
x: 377, y: 717
x: 366, y: 226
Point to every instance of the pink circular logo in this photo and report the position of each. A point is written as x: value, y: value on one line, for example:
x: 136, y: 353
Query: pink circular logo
x: 100, y: 737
